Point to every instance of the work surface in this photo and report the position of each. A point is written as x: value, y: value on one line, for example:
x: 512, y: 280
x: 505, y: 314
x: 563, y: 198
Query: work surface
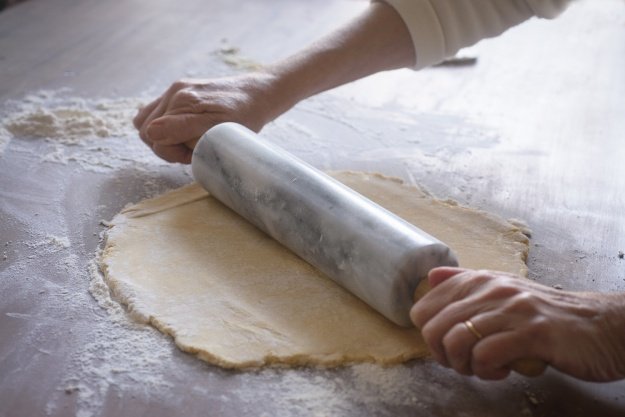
x: 533, y: 131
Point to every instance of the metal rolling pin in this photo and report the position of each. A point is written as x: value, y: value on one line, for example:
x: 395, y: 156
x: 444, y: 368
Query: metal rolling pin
x: 371, y: 252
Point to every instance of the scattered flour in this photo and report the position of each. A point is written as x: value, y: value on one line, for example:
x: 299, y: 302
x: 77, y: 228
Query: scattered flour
x: 5, y: 138
x: 50, y: 243
x: 70, y: 120
x: 57, y: 116
x: 315, y: 392
x: 231, y: 56
x: 101, y: 294
x: 96, y: 134
x: 123, y: 354
x: 67, y: 124
x: 390, y: 385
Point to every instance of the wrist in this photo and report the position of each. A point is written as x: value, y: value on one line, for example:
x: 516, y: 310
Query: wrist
x: 375, y: 41
x: 255, y: 98
x: 601, y: 319
x: 279, y: 91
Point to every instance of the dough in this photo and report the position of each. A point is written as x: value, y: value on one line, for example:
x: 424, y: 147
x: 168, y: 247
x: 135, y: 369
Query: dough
x: 234, y: 297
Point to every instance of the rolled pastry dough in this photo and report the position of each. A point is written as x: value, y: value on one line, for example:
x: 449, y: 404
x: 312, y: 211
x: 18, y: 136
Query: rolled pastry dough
x: 234, y: 297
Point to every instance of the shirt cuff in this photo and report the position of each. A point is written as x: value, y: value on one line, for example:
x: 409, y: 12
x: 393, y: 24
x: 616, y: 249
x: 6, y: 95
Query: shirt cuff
x: 425, y: 30
x: 548, y: 9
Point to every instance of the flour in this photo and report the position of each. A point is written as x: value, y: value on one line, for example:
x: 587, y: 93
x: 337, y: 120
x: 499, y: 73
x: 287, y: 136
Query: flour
x: 390, y: 385
x: 96, y: 134
x: 53, y: 236
x: 56, y: 116
x: 64, y: 124
x: 231, y: 56
x: 101, y: 294
x: 122, y: 354
x: 50, y: 243
x: 5, y: 138
x: 113, y: 354
x: 330, y: 393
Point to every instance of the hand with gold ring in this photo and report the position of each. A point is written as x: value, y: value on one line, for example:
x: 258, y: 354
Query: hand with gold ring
x: 483, y: 322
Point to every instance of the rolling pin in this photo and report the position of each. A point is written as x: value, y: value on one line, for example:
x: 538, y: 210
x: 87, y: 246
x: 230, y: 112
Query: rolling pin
x: 374, y: 254
x: 363, y: 247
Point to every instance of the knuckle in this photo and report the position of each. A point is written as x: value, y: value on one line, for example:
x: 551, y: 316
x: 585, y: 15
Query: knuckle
x: 178, y: 85
x: 417, y: 315
x: 187, y: 100
x: 482, y: 277
x: 538, y: 328
x: 429, y: 335
x: 453, y: 345
x: 505, y: 290
x: 185, y: 95
x: 522, y: 302
x: 483, y: 274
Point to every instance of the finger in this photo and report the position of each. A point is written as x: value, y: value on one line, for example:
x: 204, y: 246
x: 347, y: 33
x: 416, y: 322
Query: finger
x: 180, y: 128
x: 157, y: 112
x: 517, y: 342
x: 494, y: 356
x: 460, y: 340
x: 144, y: 112
x: 436, y: 332
x: 452, y: 289
x: 160, y: 108
x: 467, y: 283
x: 175, y: 153
x: 438, y: 275
x: 457, y: 346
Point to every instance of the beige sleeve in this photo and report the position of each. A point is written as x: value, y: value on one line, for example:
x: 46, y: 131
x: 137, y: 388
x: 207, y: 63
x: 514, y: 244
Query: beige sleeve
x: 439, y: 28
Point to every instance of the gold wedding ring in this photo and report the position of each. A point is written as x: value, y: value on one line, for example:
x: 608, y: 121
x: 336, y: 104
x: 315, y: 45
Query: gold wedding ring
x: 472, y: 329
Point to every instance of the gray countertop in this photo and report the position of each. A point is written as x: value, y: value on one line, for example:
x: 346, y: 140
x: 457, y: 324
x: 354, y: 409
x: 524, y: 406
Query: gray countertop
x: 532, y: 131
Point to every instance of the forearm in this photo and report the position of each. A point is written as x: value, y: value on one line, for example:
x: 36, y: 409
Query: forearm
x: 393, y: 34
x: 410, y: 33
x: 375, y: 41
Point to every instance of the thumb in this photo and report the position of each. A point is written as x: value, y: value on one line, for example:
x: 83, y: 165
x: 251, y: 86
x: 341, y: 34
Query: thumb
x: 440, y: 274
x: 179, y: 128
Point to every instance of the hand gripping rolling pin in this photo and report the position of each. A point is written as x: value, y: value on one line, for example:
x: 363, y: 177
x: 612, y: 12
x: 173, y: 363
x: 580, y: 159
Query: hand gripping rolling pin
x: 371, y: 252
